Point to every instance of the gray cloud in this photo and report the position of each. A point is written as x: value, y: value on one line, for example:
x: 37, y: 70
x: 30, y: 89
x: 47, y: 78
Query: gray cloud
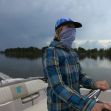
x: 31, y: 22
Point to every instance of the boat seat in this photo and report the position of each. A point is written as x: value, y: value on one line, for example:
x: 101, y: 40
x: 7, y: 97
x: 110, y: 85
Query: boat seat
x: 5, y: 95
x: 20, y: 90
x: 35, y: 86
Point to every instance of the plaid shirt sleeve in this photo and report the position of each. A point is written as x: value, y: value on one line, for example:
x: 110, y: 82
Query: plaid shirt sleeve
x: 69, y: 96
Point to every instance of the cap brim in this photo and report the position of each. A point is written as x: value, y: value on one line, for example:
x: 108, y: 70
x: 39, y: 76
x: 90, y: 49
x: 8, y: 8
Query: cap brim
x: 76, y: 24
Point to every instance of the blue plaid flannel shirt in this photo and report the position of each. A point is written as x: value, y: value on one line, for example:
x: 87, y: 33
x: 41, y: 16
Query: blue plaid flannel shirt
x: 63, y: 72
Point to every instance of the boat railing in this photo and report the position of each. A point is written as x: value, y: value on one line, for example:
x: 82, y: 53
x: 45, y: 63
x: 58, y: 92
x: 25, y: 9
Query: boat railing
x: 6, y: 83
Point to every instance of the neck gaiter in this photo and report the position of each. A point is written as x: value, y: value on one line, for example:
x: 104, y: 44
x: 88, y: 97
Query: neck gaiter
x: 67, y: 37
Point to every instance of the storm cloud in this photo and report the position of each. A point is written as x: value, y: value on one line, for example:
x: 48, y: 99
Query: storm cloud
x: 25, y: 23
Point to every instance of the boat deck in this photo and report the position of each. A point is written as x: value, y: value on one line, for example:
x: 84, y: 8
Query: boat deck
x: 30, y: 95
x: 42, y: 105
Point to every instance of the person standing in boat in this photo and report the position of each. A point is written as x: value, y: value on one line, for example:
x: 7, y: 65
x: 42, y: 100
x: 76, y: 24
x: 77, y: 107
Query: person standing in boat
x: 64, y: 73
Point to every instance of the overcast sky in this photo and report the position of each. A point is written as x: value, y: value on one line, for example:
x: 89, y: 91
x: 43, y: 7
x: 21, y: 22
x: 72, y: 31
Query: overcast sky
x: 25, y: 23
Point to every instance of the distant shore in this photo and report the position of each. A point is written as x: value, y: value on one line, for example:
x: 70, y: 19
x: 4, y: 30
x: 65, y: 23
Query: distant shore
x: 30, y: 52
x: 33, y: 52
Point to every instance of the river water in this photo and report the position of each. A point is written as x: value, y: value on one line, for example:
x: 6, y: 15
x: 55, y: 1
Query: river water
x: 98, y: 69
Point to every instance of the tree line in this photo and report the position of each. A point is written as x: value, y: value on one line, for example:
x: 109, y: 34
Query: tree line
x: 30, y: 52
x: 33, y: 52
x: 93, y: 53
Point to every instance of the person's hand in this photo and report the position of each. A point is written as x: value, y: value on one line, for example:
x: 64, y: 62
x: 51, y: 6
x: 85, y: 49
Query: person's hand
x: 98, y: 107
x: 108, y: 103
x: 101, y: 106
x: 107, y: 106
x: 103, y: 85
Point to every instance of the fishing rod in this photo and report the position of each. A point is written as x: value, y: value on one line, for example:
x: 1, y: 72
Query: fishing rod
x: 95, y: 94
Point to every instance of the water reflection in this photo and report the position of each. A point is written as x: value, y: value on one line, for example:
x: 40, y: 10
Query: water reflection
x: 20, y: 67
x: 93, y: 56
x: 98, y: 67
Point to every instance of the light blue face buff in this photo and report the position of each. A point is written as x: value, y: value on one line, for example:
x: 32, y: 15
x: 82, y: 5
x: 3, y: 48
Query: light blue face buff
x: 67, y: 37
